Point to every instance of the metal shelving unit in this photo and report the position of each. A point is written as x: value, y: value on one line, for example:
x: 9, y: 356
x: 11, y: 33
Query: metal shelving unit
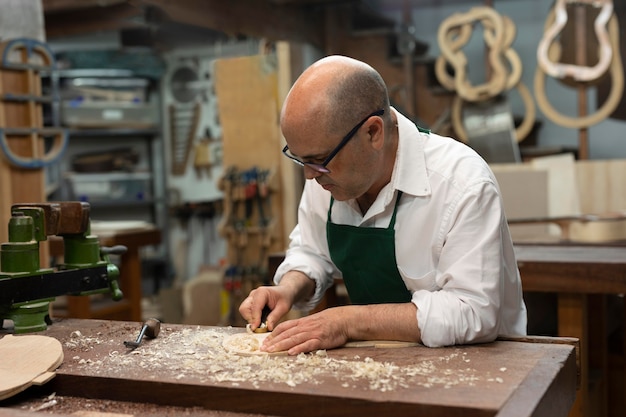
x: 100, y: 126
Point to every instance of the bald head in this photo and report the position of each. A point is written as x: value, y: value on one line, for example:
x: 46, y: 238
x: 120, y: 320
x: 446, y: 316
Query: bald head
x: 334, y: 93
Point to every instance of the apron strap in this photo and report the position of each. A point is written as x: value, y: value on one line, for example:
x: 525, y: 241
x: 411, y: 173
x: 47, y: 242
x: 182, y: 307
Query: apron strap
x: 392, y: 223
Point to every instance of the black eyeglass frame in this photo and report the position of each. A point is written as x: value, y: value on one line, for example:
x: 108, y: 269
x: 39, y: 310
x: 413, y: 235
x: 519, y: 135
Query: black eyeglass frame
x: 322, y: 167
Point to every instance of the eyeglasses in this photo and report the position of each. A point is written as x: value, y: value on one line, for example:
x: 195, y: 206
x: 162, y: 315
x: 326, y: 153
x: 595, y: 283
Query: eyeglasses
x: 322, y: 167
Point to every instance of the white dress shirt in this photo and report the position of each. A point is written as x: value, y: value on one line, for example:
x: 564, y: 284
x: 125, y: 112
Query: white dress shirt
x: 453, y: 247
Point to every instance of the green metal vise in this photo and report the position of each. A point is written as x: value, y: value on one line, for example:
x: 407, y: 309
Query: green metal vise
x: 26, y: 289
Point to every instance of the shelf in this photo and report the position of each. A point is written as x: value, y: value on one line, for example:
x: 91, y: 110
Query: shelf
x: 114, y: 131
x: 121, y: 204
x: 95, y: 110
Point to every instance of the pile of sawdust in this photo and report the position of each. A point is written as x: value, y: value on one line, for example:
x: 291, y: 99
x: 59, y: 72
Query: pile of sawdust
x: 199, y: 354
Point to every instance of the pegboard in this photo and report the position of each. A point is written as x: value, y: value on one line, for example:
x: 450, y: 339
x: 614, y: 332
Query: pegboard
x: 191, y: 124
x: 247, y: 88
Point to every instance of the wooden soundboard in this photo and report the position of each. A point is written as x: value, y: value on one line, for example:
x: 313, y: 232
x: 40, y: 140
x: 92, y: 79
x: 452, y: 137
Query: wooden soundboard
x: 186, y: 366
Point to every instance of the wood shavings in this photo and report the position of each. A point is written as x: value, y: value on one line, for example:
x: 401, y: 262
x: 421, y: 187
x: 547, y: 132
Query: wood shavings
x: 79, y: 342
x: 49, y: 401
x: 198, y: 354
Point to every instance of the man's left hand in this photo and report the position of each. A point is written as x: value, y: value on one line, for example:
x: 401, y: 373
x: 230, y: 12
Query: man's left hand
x: 323, y: 330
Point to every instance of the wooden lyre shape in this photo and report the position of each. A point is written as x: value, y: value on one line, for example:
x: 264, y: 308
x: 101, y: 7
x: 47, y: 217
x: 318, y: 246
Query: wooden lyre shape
x: 577, y: 72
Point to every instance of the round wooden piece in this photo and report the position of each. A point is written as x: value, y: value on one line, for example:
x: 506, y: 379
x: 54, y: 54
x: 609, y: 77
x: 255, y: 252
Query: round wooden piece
x: 247, y: 344
x: 27, y: 360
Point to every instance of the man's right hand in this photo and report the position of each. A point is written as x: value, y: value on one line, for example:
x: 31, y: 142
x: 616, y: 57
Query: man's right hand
x: 294, y: 286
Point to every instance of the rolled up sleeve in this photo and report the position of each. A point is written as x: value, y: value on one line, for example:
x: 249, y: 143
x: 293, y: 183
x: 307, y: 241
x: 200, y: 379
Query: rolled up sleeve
x: 466, y: 308
x: 308, y: 248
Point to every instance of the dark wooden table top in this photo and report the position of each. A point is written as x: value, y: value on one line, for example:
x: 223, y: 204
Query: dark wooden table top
x: 186, y: 366
x: 573, y: 268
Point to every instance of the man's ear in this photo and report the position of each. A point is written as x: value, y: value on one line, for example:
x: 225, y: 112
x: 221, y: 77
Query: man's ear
x: 376, y: 130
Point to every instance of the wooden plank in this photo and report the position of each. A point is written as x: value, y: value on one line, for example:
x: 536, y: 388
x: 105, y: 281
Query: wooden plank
x: 525, y: 195
x: 248, y: 110
x: 563, y: 196
x: 501, y: 378
x: 600, y: 185
x: 20, y: 185
x: 291, y: 175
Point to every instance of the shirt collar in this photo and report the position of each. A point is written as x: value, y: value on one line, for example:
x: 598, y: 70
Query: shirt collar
x: 409, y: 172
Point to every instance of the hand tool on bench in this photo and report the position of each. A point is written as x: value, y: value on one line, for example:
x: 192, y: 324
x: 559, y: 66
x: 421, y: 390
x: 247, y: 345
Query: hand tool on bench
x: 26, y: 289
x: 150, y: 328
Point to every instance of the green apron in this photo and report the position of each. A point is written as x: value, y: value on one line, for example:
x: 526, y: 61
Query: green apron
x: 366, y: 256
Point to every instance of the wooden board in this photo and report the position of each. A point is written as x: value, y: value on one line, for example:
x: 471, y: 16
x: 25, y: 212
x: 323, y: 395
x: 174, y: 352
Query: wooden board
x: 186, y: 366
x: 585, y: 198
x: 524, y: 191
x: 248, y: 106
x: 27, y: 360
x: 601, y: 185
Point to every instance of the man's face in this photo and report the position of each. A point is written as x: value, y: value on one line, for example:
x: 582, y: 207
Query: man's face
x: 345, y: 172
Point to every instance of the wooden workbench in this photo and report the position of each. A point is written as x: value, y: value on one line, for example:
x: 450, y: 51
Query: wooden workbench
x: 579, y: 275
x: 184, y: 367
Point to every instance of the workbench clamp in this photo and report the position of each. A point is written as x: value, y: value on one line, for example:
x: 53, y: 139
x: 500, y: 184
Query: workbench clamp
x: 26, y: 289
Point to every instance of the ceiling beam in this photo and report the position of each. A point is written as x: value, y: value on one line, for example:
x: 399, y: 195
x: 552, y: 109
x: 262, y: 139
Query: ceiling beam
x: 79, y: 21
x: 53, y: 6
x: 255, y: 18
x: 247, y: 17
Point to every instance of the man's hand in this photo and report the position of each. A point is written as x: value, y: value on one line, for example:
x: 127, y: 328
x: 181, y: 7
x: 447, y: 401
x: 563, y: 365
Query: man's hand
x: 294, y: 286
x: 323, y: 330
x: 277, y: 298
x: 334, y: 327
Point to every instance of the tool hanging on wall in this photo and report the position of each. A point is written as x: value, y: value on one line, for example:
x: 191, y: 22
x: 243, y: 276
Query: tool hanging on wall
x: 248, y: 226
x: 187, y: 91
x: 184, y: 121
x: 204, y: 157
x: 504, y: 74
x: 581, y: 74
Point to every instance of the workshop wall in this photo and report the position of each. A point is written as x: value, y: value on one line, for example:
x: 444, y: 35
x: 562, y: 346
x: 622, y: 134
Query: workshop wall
x: 194, y: 166
x: 605, y: 139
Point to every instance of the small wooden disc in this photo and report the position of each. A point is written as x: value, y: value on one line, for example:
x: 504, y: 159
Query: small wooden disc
x: 247, y: 344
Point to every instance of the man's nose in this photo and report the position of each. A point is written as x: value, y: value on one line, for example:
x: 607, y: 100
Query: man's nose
x: 310, y: 173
